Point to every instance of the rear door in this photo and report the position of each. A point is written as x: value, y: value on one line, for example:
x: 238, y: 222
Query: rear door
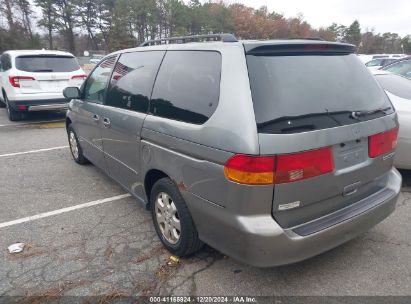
x: 47, y: 73
x: 126, y: 107
x: 89, y: 112
x: 315, y: 111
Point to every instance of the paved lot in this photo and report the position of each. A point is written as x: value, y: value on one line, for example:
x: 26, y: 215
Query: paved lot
x: 111, y: 248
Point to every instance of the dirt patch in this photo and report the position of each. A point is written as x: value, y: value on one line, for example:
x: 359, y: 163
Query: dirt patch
x: 147, y: 255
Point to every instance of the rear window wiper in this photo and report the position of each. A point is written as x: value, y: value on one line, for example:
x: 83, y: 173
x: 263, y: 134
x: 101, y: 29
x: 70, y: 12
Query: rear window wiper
x: 304, y: 123
x: 359, y: 114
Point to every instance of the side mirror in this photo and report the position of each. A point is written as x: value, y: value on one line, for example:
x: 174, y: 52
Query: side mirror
x: 72, y: 93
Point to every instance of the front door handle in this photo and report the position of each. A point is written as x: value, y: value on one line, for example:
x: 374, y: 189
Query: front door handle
x: 106, y: 122
x: 95, y: 117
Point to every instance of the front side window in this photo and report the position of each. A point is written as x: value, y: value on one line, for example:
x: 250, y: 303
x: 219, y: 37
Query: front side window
x: 47, y: 63
x: 187, y: 86
x: 96, y: 85
x: 133, y: 79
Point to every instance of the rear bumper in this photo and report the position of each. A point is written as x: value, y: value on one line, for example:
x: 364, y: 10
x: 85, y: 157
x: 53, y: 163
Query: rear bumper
x: 40, y: 104
x: 258, y: 240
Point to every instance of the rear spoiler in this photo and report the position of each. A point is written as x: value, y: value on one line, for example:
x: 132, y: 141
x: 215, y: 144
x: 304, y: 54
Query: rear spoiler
x: 298, y: 48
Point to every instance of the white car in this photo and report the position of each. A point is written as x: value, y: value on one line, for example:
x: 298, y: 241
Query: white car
x: 34, y: 80
x: 398, y: 89
x: 377, y: 63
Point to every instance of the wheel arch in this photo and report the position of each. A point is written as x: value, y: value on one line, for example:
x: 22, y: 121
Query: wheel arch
x: 151, y: 177
x: 68, y: 122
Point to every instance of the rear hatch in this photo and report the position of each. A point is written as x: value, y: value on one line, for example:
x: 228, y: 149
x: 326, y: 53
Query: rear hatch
x: 317, y: 109
x: 47, y: 73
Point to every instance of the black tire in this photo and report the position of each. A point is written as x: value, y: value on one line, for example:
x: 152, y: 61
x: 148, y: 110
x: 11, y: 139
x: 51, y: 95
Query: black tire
x: 79, y: 156
x: 2, y: 104
x: 12, y: 114
x: 188, y: 242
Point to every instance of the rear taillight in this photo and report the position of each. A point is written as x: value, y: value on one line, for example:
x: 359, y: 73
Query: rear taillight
x: 82, y: 77
x: 303, y: 165
x: 280, y: 169
x: 15, y: 80
x: 252, y: 170
x: 382, y: 143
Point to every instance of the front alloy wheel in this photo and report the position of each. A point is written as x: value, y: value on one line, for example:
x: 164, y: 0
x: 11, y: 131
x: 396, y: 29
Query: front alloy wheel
x: 75, y: 147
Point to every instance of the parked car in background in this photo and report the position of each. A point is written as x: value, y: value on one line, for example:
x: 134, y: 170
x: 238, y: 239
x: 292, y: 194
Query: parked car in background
x: 379, y: 62
x: 365, y: 58
x: 401, y: 67
x: 96, y: 59
x: 398, y: 89
x: 368, y: 57
x: 267, y: 157
x: 34, y: 80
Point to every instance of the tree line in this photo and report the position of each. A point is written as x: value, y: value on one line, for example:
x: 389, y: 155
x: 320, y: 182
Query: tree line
x: 108, y: 25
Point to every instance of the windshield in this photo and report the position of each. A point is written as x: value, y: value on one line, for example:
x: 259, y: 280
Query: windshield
x: 396, y: 85
x: 321, y: 90
x: 47, y: 63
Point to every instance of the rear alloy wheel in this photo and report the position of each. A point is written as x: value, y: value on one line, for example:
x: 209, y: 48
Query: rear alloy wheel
x: 75, y: 147
x: 172, y: 219
x: 12, y: 114
x: 168, y: 219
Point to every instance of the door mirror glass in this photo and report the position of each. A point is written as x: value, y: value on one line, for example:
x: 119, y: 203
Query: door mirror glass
x: 72, y: 93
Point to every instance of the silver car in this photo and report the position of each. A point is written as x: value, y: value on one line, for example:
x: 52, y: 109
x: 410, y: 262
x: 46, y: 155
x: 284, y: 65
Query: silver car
x: 398, y: 89
x: 269, y: 151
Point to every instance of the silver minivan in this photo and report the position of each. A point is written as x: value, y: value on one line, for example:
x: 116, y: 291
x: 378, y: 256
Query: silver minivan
x: 269, y: 151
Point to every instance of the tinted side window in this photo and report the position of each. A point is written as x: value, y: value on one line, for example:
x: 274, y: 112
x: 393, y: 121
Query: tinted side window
x: 5, y: 62
x: 96, y: 85
x: 133, y: 79
x: 187, y: 86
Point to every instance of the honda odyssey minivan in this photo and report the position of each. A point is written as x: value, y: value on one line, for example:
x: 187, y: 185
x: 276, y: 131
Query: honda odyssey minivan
x: 269, y: 151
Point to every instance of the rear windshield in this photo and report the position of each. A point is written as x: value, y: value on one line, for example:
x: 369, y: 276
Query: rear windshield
x: 47, y: 64
x: 397, y: 85
x: 293, y: 94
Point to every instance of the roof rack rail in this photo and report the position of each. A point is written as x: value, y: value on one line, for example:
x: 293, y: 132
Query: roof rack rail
x: 186, y: 39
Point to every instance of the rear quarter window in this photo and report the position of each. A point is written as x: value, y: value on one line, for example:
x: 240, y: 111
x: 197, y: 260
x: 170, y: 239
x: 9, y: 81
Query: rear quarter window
x: 47, y: 63
x: 187, y: 86
x: 5, y: 62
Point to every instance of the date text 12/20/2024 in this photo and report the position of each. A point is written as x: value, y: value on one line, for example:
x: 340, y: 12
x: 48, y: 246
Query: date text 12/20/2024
x: 207, y: 299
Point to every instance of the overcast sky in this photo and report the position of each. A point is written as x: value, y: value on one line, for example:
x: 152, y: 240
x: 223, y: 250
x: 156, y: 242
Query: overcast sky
x: 382, y: 15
